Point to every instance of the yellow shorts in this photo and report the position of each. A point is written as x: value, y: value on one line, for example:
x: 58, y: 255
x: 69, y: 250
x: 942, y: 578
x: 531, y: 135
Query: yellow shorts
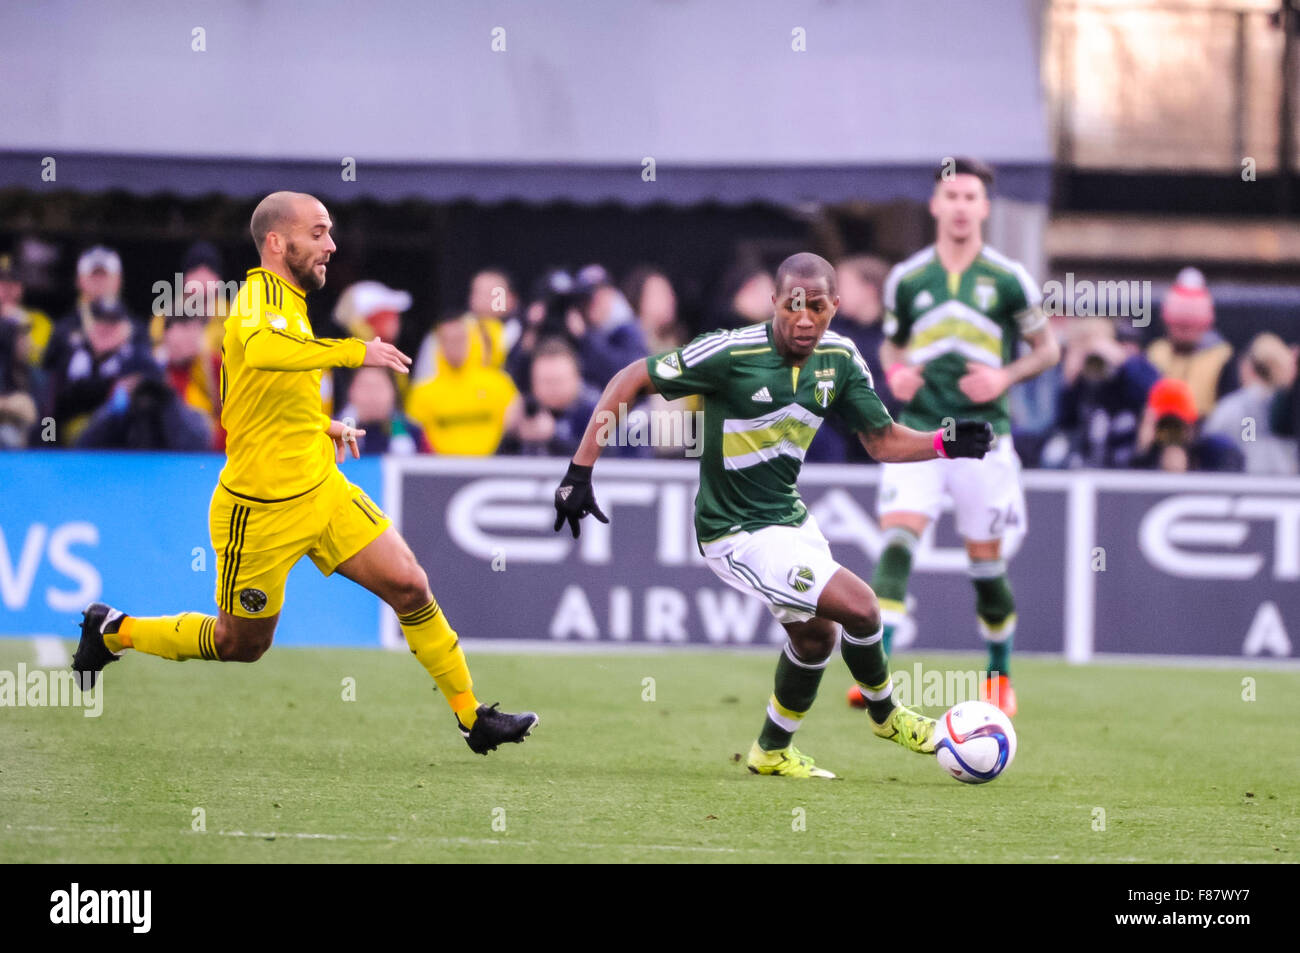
x: 257, y: 543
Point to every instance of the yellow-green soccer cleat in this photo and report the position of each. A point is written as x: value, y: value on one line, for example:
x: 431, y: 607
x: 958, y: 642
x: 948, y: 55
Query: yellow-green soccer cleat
x: 913, y: 731
x: 786, y: 763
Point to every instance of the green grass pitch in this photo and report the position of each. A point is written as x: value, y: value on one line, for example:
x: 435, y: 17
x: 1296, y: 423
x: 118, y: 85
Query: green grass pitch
x: 284, y: 770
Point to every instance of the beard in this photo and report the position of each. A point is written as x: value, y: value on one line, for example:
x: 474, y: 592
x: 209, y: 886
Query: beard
x: 300, y: 266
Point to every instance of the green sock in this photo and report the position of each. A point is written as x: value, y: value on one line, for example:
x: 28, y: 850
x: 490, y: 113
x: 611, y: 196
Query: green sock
x: 995, y: 607
x: 890, y: 579
x: 999, y: 656
x: 865, y: 657
x: 792, y: 696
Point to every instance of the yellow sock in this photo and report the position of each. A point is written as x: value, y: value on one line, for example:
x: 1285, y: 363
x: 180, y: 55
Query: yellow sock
x: 178, y: 637
x: 434, y: 643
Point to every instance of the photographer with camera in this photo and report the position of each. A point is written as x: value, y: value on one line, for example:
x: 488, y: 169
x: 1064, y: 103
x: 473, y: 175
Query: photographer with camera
x: 1169, y: 438
x: 557, y: 406
x: 144, y: 413
x: 1106, y: 380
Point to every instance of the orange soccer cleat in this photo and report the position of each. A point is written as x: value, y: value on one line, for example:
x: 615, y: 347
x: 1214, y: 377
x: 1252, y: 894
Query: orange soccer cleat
x: 998, y: 691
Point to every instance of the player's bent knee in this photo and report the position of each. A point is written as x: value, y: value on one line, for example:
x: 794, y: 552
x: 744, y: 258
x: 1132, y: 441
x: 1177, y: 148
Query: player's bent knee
x: 411, y: 590
x: 866, y: 616
x: 813, y: 646
x: 241, y: 643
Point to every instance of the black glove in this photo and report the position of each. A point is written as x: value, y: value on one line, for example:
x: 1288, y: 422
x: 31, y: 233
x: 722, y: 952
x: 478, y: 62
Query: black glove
x: 971, y: 438
x: 574, y: 499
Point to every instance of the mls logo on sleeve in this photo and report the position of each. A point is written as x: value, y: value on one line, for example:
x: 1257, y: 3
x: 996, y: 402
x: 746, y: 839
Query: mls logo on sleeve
x: 669, y: 366
x: 825, y: 392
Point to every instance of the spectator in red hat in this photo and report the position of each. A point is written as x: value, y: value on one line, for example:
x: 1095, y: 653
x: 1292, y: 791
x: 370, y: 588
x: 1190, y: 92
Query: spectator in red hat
x: 1191, y: 350
x: 1168, y: 438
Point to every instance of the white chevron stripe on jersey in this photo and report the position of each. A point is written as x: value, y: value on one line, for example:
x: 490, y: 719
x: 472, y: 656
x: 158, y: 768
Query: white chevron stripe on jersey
x: 839, y: 340
x: 948, y: 345
x: 889, y: 296
x: 787, y: 431
x: 962, y: 312
x: 1033, y: 294
x: 692, y: 354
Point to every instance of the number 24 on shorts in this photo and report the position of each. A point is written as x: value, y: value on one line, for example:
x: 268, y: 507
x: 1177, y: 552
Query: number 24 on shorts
x: 1002, y: 520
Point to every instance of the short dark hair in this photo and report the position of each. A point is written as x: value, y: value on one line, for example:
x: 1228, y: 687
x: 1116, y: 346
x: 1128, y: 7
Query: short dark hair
x: 965, y: 165
x: 807, y: 265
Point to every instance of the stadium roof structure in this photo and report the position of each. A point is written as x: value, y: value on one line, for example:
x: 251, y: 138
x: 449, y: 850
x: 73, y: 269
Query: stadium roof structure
x: 733, y: 101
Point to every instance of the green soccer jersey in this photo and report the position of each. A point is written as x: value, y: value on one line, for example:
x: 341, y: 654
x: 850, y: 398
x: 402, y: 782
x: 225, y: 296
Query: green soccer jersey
x: 760, y: 415
x: 944, y: 320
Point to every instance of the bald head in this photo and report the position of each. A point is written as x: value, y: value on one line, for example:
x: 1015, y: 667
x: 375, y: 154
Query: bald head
x: 292, y: 234
x: 803, y: 268
x: 276, y: 213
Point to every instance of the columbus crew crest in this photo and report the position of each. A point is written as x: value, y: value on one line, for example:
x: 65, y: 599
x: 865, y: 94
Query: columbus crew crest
x: 253, y: 600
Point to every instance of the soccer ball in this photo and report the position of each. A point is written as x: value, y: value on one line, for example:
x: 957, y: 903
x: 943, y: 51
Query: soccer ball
x: 976, y: 742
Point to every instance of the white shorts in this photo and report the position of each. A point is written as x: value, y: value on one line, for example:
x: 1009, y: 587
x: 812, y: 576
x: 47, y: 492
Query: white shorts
x: 785, y: 566
x: 987, y: 499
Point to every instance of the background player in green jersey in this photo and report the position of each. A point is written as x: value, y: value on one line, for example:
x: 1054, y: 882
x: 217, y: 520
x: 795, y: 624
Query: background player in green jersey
x: 766, y: 390
x: 955, y: 313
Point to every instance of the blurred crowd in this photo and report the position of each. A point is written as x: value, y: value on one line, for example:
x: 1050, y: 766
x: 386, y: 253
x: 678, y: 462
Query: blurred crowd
x: 514, y: 373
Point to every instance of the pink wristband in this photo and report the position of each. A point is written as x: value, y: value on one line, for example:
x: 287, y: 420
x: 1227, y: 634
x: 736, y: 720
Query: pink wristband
x: 893, y: 369
x: 938, y: 444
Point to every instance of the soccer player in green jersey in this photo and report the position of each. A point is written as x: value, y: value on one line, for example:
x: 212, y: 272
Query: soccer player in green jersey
x: 766, y: 390
x: 955, y: 313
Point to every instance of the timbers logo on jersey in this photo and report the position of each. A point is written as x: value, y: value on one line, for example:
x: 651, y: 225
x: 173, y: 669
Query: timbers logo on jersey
x: 944, y: 321
x: 760, y: 416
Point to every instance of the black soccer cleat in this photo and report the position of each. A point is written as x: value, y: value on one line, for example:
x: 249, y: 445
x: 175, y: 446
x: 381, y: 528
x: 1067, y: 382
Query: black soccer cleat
x: 494, y: 728
x: 92, y: 654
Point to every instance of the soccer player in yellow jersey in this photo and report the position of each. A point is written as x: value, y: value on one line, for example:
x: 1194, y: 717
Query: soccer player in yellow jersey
x: 281, y: 495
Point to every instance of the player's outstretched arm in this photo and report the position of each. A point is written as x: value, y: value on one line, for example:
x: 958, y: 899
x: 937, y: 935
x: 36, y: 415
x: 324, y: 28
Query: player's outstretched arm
x: 275, y: 349
x: 574, y: 498
x: 894, y: 443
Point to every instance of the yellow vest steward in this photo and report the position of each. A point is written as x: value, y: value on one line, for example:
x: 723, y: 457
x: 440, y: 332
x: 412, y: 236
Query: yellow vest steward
x: 276, y: 444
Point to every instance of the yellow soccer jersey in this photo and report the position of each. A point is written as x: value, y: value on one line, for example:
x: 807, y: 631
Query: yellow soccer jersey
x: 276, y: 441
x: 463, y: 410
